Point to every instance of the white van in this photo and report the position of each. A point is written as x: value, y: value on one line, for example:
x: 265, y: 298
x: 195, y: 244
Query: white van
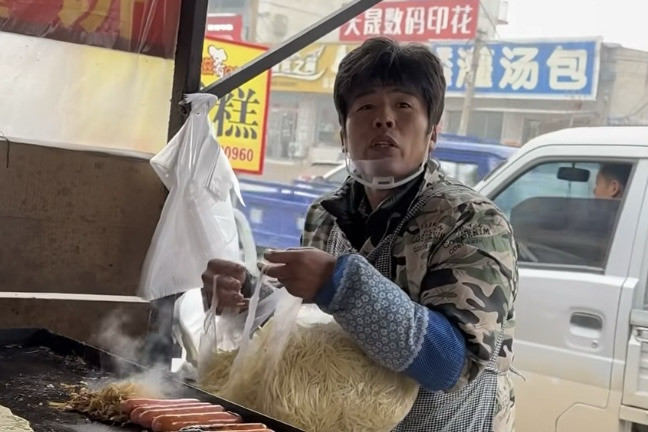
x: 582, y: 309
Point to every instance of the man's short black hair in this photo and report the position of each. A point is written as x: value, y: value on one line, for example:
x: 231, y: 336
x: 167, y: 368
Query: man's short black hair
x: 616, y: 171
x: 381, y: 61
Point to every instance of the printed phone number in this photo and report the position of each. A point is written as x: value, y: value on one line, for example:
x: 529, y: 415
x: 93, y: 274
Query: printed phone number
x: 239, y: 154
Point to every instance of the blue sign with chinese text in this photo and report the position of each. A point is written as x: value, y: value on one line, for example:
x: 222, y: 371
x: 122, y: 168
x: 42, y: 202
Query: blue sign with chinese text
x: 535, y: 69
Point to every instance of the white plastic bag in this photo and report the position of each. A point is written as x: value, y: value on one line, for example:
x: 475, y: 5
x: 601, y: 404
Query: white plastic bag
x: 226, y: 337
x: 197, y: 222
x: 283, y: 308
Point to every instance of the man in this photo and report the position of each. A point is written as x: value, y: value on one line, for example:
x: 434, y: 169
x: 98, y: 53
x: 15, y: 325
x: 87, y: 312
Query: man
x: 419, y: 269
x: 611, y: 180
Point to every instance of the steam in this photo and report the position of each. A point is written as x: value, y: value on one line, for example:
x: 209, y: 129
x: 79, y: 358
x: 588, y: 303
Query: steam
x: 131, y: 352
x: 112, y: 338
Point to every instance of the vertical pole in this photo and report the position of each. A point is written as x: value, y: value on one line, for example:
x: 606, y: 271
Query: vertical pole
x: 188, y: 58
x: 254, y: 15
x: 470, y: 85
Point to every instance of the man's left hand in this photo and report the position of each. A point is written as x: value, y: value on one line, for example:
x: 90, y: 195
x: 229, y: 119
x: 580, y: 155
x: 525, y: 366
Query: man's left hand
x: 303, y: 271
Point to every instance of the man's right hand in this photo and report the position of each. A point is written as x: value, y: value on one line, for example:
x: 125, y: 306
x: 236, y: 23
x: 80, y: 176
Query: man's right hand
x: 230, y: 277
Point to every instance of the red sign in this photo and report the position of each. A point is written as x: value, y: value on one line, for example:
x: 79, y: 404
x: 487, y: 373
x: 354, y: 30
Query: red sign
x: 411, y: 21
x: 141, y: 26
x: 224, y: 26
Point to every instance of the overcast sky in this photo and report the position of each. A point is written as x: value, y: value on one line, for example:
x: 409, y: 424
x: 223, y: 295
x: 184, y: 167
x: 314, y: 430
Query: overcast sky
x: 618, y: 21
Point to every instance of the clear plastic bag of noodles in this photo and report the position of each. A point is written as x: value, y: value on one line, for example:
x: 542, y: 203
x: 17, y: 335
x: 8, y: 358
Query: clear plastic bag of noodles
x: 222, y: 336
x: 303, y: 368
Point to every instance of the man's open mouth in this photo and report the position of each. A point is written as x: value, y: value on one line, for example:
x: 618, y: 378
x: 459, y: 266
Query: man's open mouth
x: 383, y: 142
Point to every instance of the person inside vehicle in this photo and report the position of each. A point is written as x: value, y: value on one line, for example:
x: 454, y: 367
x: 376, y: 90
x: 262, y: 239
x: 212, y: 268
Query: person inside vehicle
x: 418, y: 268
x: 611, y: 180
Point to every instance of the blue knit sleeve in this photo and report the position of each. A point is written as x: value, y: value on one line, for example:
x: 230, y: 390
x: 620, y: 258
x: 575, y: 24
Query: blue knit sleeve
x: 394, y: 331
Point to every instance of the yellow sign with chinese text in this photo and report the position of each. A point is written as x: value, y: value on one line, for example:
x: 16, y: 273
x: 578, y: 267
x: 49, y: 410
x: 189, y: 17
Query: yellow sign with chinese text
x: 240, y: 117
x: 312, y: 70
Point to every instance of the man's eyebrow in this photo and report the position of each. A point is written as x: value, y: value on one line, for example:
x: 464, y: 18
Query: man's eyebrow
x: 368, y: 91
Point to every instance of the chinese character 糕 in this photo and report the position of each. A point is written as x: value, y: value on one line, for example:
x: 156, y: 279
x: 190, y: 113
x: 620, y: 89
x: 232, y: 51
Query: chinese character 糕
x: 237, y: 109
x: 446, y: 55
x: 460, y: 19
x: 437, y: 19
x: 414, y: 20
x: 353, y: 27
x: 393, y: 21
x: 484, y: 75
x: 372, y: 21
x: 567, y: 69
x: 222, y: 114
x: 520, y: 68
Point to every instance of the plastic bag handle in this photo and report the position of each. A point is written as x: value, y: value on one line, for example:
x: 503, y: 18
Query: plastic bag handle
x: 210, y: 316
x: 252, y: 309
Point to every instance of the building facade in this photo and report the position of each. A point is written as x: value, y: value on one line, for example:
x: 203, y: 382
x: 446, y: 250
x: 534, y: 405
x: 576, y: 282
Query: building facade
x: 523, y: 88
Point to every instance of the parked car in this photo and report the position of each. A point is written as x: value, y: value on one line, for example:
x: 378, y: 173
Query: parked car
x: 582, y: 311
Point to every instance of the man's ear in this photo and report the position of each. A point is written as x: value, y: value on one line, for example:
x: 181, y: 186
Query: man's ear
x: 343, y: 140
x: 615, y: 188
x: 433, y: 137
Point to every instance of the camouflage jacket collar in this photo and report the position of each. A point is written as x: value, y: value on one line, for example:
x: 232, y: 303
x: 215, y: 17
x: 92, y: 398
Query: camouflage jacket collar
x: 350, y: 207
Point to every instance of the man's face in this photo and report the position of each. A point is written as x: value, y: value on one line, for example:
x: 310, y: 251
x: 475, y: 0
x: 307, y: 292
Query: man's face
x: 389, y: 124
x: 606, y: 188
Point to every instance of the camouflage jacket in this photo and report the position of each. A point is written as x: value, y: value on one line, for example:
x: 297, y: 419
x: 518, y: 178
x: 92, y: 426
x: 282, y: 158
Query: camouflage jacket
x: 451, y: 252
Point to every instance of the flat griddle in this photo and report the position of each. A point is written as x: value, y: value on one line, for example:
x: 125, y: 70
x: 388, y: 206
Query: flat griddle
x: 35, y: 362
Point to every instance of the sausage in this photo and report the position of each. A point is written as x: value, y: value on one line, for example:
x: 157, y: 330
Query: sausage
x: 175, y: 422
x: 130, y: 404
x: 226, y: 427
x: 137, y: 412
x: 147, y: 417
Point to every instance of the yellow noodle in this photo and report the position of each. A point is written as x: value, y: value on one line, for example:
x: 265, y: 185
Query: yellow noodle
x: 213, y: 372
x: 323, y: 382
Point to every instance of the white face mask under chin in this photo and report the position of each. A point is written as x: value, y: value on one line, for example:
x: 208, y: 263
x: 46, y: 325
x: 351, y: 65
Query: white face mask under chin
x: 373, y: 179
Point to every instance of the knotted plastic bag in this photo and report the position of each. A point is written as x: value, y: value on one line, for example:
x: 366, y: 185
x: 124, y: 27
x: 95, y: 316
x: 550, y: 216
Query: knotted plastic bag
x: 226, y: 337
x: 197, y: 221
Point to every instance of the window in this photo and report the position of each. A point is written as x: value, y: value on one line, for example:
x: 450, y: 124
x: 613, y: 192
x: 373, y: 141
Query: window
x: 561, y: 213
x: 466, y: 173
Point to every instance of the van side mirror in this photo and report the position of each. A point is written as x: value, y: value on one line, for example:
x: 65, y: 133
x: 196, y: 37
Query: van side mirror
x: 573, y: 174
